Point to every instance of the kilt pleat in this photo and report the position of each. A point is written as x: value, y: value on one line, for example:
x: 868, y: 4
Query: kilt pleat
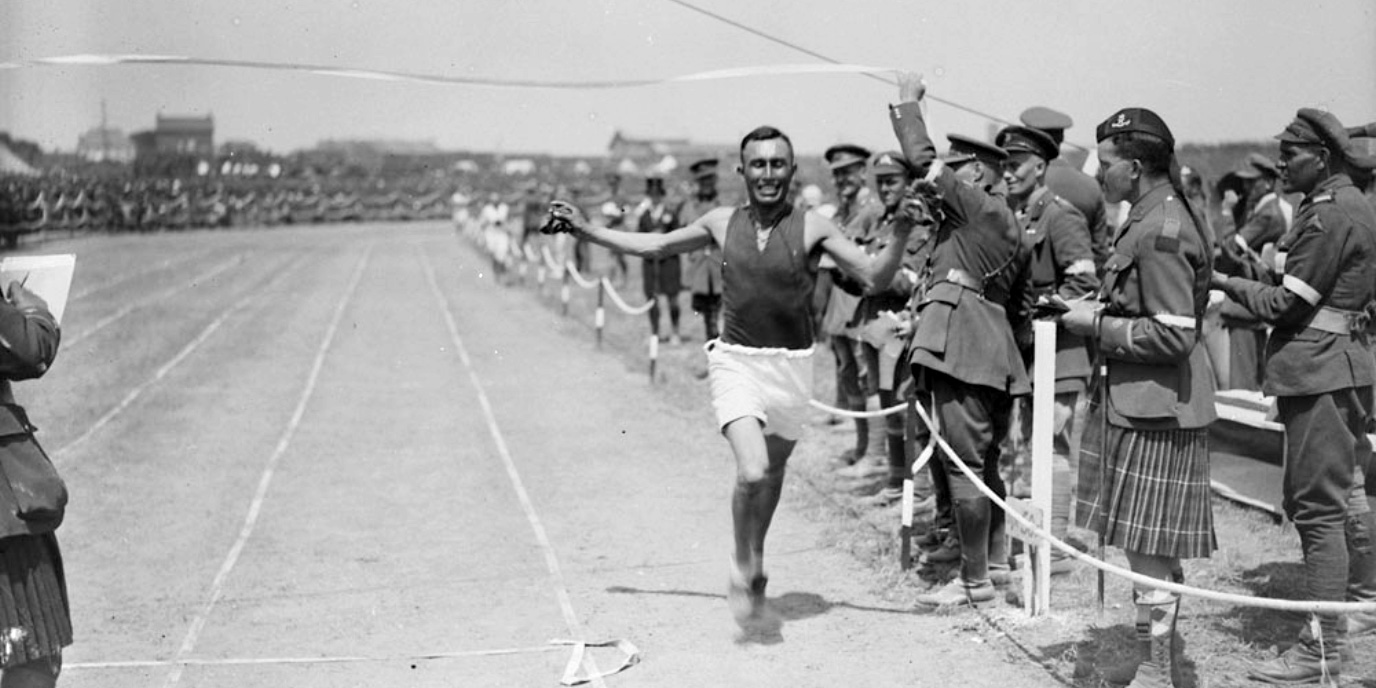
x: 1156, y: 498
x: 33, y: 598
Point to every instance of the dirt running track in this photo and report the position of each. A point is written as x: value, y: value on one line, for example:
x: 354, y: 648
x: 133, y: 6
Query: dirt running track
x: 324, y: 456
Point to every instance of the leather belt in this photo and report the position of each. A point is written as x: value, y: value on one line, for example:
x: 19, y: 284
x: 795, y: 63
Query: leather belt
x: 1332, y: 320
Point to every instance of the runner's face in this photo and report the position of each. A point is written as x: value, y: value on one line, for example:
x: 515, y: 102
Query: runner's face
x: 768, y: 169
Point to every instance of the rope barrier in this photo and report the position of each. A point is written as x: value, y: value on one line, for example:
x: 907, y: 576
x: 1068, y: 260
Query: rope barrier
x: 1310, y: 606
x: 625, y: 307
x: 577, y: 278
x: 857, y: 414
x: 550, y: 262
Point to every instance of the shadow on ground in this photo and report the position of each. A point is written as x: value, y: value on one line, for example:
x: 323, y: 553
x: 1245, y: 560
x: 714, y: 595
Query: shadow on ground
x: 768, y: 628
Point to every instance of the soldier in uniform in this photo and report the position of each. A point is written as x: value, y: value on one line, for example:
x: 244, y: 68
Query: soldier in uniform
x: 704, y: 266
x: 660, y: 276
x: 1062, y: 265
x: 1069, y: 183
x: 964, y: 352
x: 1320, y: 371
x: 1148, y: 488
x: 1264, y: 217
x: 857, y: 214
x: 884, y: 324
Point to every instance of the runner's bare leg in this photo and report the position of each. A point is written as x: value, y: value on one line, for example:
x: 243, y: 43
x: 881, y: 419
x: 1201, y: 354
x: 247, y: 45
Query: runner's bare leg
x: 760, y: 461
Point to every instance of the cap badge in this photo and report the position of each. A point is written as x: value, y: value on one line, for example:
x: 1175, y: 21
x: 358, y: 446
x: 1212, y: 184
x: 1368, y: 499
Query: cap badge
x: 1121, y: 122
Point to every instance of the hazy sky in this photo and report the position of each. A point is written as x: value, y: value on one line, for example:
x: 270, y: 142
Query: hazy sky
x: 1216, y: 70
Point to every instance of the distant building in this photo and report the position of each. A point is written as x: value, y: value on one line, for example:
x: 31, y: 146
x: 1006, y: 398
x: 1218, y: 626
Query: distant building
x: 633, y: 155
x: 105, y: 144
x: 178, y: 135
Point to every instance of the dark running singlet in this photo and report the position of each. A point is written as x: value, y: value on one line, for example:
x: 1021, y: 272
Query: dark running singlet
x: 767, y: 296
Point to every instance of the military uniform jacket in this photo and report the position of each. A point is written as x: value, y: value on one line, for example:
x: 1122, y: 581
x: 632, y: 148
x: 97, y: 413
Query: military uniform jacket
x: 28, y: 345
x: 1156, y: 287
x: 704, y: 265
x: 1062, y: 260
x: 977, y: 291
x: 1329, y: 261
x: 1082, y: 192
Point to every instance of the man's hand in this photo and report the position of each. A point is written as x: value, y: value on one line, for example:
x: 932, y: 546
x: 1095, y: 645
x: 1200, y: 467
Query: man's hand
x: 912, y: 211
x: 911, y: 88
x: 1080, y: 318
x: 566, y: 217
x: 23, y: 299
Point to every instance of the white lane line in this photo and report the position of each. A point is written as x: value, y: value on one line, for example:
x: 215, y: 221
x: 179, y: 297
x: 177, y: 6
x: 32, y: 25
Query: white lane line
x: 551, y: 561
x: 241, y: 661
x: 164, y: 294
x: 193, y: 633
x: 134, y: 394
x: 127, y: 276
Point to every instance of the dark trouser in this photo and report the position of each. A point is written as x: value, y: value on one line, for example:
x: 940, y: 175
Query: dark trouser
x: 1325, y: 439
x: 850, y: 374
x: 900, y: 388
x: 972, y: 418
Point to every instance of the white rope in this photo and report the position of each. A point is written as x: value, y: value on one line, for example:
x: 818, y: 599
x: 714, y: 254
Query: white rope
x: 625, y: 307
x: 1311, y: 606
x: 577, y: 278
x: 550, y: 262
x: 858, y: 414
x: 104, y: 60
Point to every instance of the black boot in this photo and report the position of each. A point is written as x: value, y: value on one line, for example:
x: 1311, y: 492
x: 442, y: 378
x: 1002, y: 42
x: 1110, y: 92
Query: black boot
x: 1316, y: 658
x: 1361, y: 571
x: 972, y: 587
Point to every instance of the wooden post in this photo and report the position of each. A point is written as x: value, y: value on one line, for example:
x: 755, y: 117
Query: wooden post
x: 1043, y: 431
x: 600, y: 316
x: 654, y: 355
x: 564, y: 291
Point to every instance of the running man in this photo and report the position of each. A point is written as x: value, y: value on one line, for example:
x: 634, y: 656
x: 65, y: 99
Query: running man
x: 760, y: 369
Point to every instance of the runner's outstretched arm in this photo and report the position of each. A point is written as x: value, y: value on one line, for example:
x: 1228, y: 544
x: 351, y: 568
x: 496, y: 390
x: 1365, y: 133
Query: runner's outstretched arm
x: 694, y: 235
x: 874, y: 273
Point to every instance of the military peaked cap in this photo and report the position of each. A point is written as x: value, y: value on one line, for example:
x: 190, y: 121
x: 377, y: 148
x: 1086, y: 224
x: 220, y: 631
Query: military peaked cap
x: 891, y: 162
x: 703, y: 168
x: 965, y: 149
x: 845, y: 155
x: 1045, y: 118
x: 1027, y: 140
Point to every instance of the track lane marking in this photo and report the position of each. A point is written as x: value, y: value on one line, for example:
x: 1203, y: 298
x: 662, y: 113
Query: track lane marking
x: 129, y: 276
x: 193, y: 632
x: 162, y: 371
x: 164, y: 294
x: 575, y: 627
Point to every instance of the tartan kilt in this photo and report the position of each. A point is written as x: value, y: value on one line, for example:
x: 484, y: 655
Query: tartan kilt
x: 1158, y: 499
x: 33, y: 597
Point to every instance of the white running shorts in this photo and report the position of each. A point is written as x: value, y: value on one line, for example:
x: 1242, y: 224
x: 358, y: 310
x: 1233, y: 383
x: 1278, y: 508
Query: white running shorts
x: 773, y: 385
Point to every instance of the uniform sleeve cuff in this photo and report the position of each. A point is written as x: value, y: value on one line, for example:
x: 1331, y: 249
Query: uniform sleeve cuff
x: 1115, y: 335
